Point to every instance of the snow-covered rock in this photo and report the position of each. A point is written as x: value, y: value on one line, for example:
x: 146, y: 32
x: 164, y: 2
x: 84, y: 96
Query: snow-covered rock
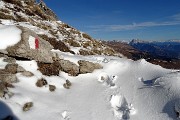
x: 9, y: 35
x: 31, y: 47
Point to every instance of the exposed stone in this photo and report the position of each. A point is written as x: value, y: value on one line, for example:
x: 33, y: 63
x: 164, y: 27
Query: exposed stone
x: 20, y: 69
x: 48, y: 11
x: 49, y: 68
x: 2, y: 89
x: 10, y: 60
x: 27, y: 106
x: 69, y: 67
x: 27, y: 74
x: 11, y: 68
x: 7, y: 77
x: 52, y: 88
x: 24, y: 49
x: 41, y: 82
x: 8, y: 85
x: 67, y: 84
x: 57, y: 66
x: 88, y: 67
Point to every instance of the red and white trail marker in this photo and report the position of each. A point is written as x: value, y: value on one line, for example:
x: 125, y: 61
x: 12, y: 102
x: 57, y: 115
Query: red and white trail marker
x: 33, y: 42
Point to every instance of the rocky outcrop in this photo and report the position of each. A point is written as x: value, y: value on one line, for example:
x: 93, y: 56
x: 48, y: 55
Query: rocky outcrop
x: 7, y: 77
x: 11, y: 68
x: 69, y: 67
x: 41, y: 19
x: 31, y: 47
x: 27, y: 74
x: 88, y: 67
x: 49, y: 69
x: 57, y: 66
x: 48, y: 11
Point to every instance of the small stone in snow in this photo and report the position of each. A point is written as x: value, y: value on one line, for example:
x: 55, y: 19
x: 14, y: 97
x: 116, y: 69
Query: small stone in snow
x: 41, y: 82
x: 68, y: 83
x: 66, y: 86
x: 52, y: 88
x: 27, y: 106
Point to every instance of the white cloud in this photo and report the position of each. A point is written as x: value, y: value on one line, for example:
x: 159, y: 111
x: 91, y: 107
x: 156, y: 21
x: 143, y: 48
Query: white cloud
x: 134, y: 26
x: 176, y: 17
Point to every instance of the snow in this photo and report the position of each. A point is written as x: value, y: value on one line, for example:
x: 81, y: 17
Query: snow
x: 2, y: 4
x: 7, y: 22
x: 93, y: 97
x: 9, y: 40
x: 123, y: 90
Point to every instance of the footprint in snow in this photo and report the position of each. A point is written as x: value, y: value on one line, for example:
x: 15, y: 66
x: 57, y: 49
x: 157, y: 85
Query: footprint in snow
x: 107, y: 80
x: 122, y: 110
x: 65, y: 115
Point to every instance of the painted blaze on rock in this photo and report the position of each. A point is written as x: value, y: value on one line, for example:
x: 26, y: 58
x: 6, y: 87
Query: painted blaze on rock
x: 32, y: 47
x: 33, y: 42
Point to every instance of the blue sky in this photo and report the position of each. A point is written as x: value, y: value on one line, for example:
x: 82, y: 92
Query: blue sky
x: 121, y: 19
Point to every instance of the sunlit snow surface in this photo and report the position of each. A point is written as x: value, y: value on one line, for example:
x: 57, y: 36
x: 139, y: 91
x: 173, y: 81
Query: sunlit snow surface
x: 7, y: 40
x: 122, y: 90
x: 91, y: 98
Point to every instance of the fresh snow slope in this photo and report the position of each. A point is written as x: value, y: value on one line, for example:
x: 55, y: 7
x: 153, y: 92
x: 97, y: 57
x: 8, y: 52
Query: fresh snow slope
x: 123, y: 89
x: 9, y: 40
x: 135, y: 90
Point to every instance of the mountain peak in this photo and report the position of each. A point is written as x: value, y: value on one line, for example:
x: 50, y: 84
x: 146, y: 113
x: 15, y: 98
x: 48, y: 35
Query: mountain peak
x: 134, y: 41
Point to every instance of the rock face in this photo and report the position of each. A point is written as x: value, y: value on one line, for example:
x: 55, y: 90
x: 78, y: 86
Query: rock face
x: 41, y: 19
x: 88, y: 67
x: 48, y: 11
x: 31, y: 47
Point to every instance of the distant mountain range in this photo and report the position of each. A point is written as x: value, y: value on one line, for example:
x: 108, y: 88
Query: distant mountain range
x: 162, y: 49
x: 164, y: 53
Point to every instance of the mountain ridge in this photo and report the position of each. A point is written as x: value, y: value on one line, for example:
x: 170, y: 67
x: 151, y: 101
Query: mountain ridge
x: 41, y: 19
x: 134, y: 53
x: 167, y: 49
